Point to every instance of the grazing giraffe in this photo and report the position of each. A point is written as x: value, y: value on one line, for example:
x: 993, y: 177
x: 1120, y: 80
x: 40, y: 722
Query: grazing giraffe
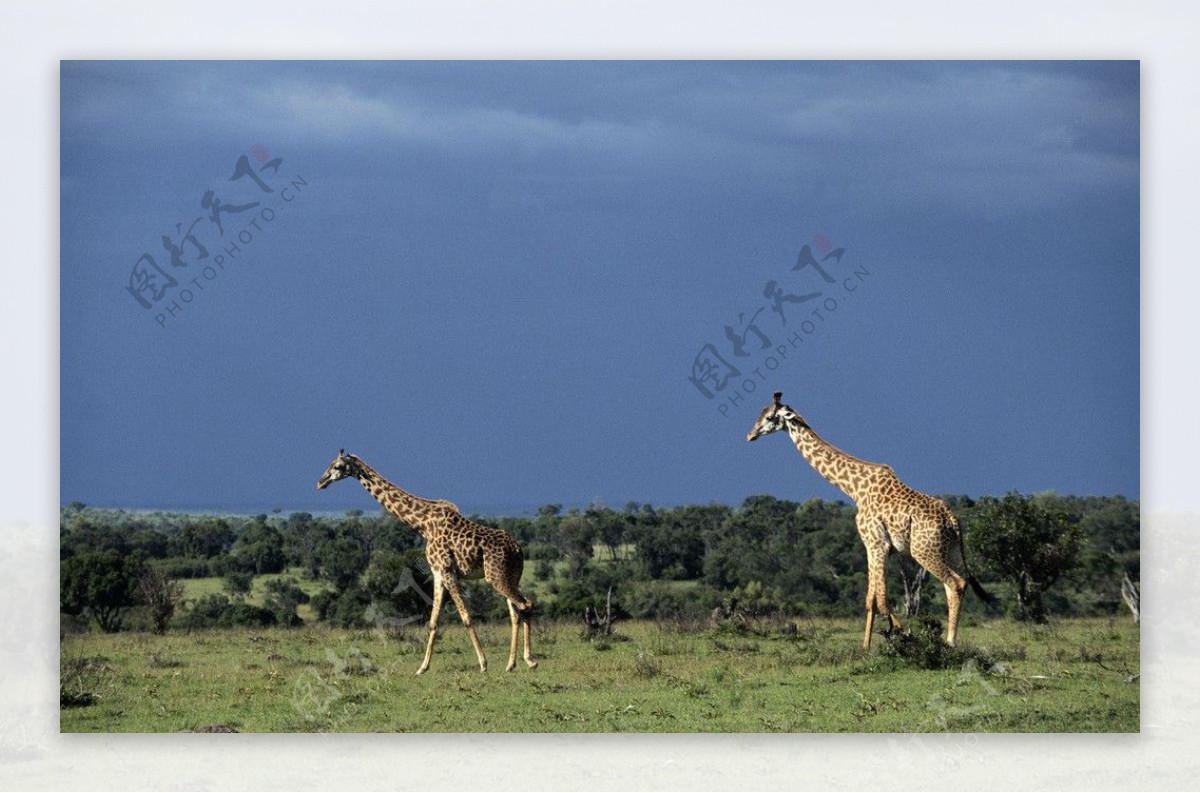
x: 891, y: 517
x: 456, y: 549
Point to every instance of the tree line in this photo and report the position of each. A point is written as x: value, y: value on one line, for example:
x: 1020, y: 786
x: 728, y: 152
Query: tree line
x: 1045, y: 555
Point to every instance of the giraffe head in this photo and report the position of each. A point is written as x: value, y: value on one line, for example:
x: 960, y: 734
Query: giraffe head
x: 772, y: 419
x: 343, y: 465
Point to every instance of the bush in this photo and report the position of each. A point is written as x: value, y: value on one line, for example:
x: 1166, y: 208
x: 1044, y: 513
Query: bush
x: 83, y: 680
x: 575, y: 596
x: 755, y: 600
x: 207, y: 610
x: 217, y: 611
x: 237, y: 615
x: 922, y: 646
x: 347, y: 609
x: 660, y: 601
x: 323, y: 603
x: 343, y: 559
x: 186, y: 567
x: 285, y: 596
x: 238, y: 583
x: 542, y: 552
x: 400, y: 585
x: 286, y: 587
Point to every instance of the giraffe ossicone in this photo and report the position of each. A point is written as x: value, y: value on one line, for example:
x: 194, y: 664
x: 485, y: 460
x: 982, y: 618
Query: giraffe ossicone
x: 891, y: 517
x: 457, y: 549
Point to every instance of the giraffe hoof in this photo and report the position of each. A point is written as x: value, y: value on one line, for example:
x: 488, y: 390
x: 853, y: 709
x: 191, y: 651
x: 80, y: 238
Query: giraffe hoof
x: 510, y: 667
x: 421, y: 671
x: 532, y: 664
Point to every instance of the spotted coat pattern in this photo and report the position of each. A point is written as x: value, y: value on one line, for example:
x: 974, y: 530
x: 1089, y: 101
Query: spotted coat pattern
x: 891, y: 517
x: 456, y: 549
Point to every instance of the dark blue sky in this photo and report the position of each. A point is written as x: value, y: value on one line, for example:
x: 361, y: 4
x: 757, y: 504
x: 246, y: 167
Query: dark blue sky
x: 493, y: 280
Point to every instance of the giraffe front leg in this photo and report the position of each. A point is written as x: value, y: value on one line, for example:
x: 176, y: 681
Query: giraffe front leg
x: 438, y: 591
x: 877, y: 595
x: 460, y: 604
x: 881, y: 605
x: 870, y: 611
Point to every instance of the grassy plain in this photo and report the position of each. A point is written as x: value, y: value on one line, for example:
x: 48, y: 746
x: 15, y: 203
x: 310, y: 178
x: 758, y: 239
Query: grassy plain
x: 1070, y: 676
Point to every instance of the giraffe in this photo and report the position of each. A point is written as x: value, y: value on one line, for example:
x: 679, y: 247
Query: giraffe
x: 456, y: 548
x: 891, y: 517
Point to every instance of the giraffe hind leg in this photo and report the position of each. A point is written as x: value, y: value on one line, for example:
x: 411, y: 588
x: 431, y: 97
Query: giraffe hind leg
x: 527, y: 619
x: 516, y: 623
x: 523, y: 608
x: 954, y: 585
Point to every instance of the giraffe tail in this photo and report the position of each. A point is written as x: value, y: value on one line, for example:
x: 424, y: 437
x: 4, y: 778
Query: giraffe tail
x: 984, y: 595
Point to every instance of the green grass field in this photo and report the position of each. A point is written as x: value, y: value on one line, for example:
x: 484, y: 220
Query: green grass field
x: 1070, y: 676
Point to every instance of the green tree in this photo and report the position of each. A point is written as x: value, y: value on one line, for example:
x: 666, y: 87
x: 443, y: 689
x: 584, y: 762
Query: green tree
x: 239, y: 583
x: 82, y: 534
x: 150, y: 543
x: 575, y: 534
x: 1027, y: 544
x: 161, y: 595
x: 203, y: 538
x: 674, y: 547
x: 259, y: 549
x: 608, y: 526
x: 284, y: 598
x: 343, y: 559
x: 101, y: 584
x: 400, y: 587
x: 302, y: 540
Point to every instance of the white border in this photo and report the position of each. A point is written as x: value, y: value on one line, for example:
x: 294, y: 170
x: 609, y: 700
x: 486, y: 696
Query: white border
x: 32, y: 753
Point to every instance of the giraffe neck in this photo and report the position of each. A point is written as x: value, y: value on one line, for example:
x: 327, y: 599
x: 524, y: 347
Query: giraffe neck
x: 404, y: 505
x: 847, y: 473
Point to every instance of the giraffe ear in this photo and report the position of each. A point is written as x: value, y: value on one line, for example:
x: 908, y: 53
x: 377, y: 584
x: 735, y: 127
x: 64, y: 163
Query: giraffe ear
x: 778, y: 396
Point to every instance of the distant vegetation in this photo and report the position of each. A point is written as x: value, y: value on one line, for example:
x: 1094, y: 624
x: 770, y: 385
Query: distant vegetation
x: 1046, y: 555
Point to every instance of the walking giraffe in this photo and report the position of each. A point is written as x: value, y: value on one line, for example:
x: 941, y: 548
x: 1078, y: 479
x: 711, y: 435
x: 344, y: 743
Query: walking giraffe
x: 891, y: 517
x: 456, y: 549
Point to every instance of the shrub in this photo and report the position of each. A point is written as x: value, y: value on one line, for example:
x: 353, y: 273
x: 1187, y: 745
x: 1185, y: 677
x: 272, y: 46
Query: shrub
x: 285, y: 596
x: 245, y: 615
x: 217, y: 611
x: 922, y: 646
x: 186, y: 567
x: 82, y: 680
x: 347, y: 609
x: 660, y: 601
x: 238, y: 583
